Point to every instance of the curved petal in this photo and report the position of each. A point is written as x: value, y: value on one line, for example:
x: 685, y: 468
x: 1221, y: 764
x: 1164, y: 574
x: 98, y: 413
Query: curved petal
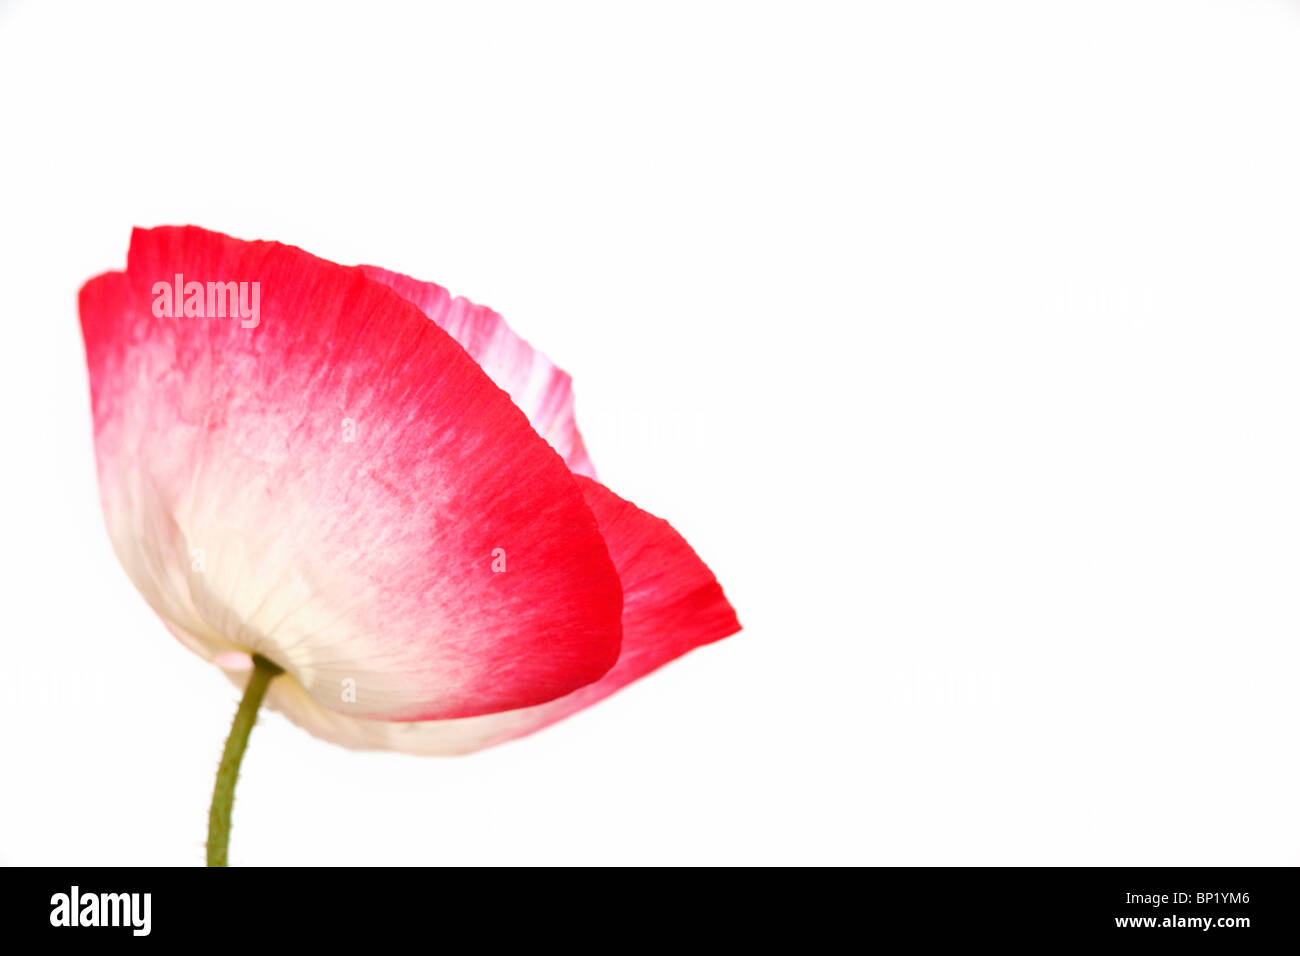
x: 330, y: 481
x: 672, y: 603
x: 542, y: 390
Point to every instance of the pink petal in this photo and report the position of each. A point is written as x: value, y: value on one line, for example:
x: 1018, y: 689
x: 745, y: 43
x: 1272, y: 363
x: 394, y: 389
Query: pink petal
x: 233, y: 661
x: 543, y: 391
x: 251, y: 524
x: 672, y: 604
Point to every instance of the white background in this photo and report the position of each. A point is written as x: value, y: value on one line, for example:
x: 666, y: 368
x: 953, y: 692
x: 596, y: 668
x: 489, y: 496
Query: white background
x: 960, y: 339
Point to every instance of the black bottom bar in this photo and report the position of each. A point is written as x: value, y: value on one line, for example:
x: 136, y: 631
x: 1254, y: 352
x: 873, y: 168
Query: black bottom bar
x: 1231, y: 907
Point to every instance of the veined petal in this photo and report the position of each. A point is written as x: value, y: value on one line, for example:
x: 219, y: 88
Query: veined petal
x: 541, y: 389
x: 672, y: 603
x: 337, y: 485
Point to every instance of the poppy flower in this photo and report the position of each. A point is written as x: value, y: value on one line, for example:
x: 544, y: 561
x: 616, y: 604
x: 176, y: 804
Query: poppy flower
x: 369, y: 500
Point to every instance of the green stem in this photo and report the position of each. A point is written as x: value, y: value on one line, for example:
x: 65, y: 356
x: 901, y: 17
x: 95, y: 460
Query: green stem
x: 223, y: 794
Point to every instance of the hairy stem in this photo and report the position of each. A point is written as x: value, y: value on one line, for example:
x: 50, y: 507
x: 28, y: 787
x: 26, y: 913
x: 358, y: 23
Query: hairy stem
x: 223, y: 794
